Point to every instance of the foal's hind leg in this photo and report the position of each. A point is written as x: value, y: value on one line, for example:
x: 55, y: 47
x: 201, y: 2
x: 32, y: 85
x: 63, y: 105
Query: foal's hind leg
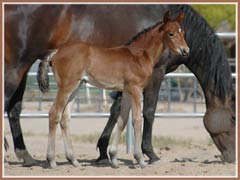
x: 121, y: 123
x: 55, y: 115
x: 65, y: 121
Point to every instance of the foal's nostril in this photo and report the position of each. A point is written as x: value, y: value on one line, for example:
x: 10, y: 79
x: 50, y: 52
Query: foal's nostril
x: 185, y: 52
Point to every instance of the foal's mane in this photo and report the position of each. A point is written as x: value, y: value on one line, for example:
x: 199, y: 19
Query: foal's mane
x: 142, y: 33
x: 207, y: 52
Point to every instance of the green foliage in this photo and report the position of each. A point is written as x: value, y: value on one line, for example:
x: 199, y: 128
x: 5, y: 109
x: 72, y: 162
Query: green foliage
x: 217, y: 13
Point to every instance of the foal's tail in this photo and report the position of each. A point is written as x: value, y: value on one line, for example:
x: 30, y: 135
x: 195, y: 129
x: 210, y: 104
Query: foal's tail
x: 43, y: 69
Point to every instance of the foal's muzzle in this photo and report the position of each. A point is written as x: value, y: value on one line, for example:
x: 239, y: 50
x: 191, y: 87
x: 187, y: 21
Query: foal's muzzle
x: 184, y: 51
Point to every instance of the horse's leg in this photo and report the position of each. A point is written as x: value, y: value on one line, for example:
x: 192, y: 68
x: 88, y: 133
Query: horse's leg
x: 121, y: 123
x: 65, y: 121
x: 55, y: 115
x: 105, y: 136
x: 149, y: 107
x: 13, y: 111
x: 135, y: 97
x: 6, y: 145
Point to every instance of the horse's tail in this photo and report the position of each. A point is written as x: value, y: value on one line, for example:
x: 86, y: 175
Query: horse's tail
x: 6, y: 145
x: 43, y: 69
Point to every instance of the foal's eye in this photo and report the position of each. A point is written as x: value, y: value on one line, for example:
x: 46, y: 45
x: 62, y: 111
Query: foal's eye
x: 170, y: 34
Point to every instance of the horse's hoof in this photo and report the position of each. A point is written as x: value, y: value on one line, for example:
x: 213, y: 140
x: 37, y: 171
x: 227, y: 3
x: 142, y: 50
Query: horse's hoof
x: 5, y: 162
x: 29, y: 162
x: 101, y: 159
x: 154, y: 161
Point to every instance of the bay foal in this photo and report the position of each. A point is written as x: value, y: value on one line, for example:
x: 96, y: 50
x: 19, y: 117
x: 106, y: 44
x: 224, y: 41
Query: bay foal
x: 125, y: 68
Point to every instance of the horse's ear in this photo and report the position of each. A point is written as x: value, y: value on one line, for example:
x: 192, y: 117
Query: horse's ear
x: 166, y: 17
x: 180, y: 17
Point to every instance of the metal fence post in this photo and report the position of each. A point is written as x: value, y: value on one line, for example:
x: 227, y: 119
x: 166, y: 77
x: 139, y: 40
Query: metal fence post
x: 129, y: 134
x: 78, y: 101
x: 195, y: 95
x: 40, y: 100
x: 169, y: 94
x: 100, y: 99
x: 88, y: 94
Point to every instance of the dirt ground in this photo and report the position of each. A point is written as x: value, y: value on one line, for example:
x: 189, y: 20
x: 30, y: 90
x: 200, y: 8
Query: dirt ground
x: 196, y: 157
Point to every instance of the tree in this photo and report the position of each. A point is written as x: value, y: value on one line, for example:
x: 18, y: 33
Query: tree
x: 217, y: 13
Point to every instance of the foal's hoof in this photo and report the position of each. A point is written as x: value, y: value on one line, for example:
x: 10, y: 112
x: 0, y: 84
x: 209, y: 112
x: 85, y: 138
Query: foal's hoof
x: 114, y: 165
x: 113, y: 159
x: 143, y: 164
x: 75, y: 163
x: 52, y: 164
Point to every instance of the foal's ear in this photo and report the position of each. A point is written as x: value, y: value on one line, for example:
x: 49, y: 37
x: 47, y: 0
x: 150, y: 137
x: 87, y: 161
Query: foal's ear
x: 180, y: 17
x: 166, y: 17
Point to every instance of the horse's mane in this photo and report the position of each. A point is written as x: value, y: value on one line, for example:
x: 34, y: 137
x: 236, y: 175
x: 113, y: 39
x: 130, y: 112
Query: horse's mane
x: 207, y: 52
x: 144, y: 31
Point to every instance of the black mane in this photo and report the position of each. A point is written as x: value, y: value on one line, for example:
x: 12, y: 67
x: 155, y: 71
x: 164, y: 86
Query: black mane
x: 207, y: 54
x: 142, y: 32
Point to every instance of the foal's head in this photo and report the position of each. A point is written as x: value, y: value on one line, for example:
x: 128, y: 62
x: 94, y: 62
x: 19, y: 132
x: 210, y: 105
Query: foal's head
x: 173, y: 34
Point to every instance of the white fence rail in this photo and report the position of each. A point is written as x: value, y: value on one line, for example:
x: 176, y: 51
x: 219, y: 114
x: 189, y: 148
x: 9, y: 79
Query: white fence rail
x: 193, y: 114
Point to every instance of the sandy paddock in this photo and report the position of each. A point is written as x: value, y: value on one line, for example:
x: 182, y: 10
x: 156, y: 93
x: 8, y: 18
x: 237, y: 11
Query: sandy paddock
x: 198, y: 157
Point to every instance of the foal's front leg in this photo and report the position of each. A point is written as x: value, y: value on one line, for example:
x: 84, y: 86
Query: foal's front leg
x: 137, y: 124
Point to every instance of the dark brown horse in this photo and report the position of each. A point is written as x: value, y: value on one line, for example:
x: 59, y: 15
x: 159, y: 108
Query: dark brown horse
x: 208, y: 61
x: 30, y: 30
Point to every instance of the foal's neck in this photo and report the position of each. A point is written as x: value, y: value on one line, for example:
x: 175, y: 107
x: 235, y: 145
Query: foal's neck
x: 152, y: 43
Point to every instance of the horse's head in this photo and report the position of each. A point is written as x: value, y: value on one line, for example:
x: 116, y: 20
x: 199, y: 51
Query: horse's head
x: 173, y: 34
x: 220, y: 122
x: 221, y: 125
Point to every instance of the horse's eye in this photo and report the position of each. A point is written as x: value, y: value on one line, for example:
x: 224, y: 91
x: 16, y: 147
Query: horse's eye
x: 170, y: 34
